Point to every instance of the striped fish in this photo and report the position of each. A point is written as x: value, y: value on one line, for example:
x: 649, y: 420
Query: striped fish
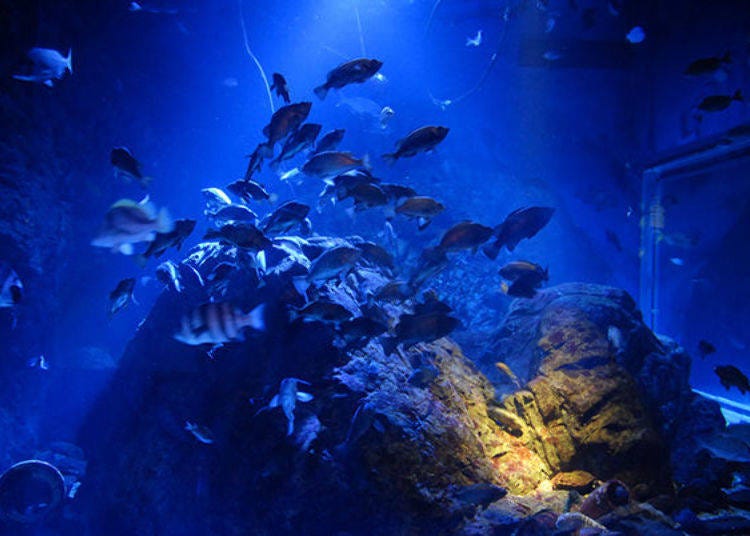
x: 217, y: 323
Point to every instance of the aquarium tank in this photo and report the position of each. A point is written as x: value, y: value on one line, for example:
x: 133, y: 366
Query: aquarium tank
x: 374, y: 267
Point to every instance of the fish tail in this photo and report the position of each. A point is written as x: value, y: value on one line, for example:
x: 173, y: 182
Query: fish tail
x: 390, y: 158
x: 738, y: 96
x: 492, y: 250
x: 321, y: 91
x: 255, y: 318
x: 423, y: 223
x: 69, y: 61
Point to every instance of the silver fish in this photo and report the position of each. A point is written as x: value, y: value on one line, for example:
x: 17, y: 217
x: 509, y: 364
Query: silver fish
x: 287, y: 400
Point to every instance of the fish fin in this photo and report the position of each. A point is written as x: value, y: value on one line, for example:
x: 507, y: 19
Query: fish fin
x: 492, y: 250
x: 274, y: 403
x: 389, y: 345
x: 290, y: 426
x: 390, y: 158
x: 125, y: 249
x: 256, y: 318
x: 301, y: 285
x: 366, y: 162
x: 304, y: 397
x: 260, y: 259
x: 69, y: 61
x: 164, y: 222
x: 423, y: 223
x: 321, y: 92
x: 48, y: 83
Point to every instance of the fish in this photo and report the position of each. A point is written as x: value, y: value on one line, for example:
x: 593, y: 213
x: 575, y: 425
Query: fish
x: 524, y: 286
x: 719, y: 103
x: 174, y: 238
x: 423, y: 376
x: 285, y: 218
x: 352, y: 72
x: 431, y: 304
x: 215, y: 199
x: 431, y: 262
x: 465, y: 235
x: 613, y: 239
x: 283, y: 122
x: 233, y: 214
x: 128, y: 222
x: 178, y: 276
x: 303, y: 138
x: 39, y: 362
x: 248, y: 190
x: 127, y: 167
x: 505, y: 369
x: 731, y: 376
x: 330, y: 141
x: 474, y: 41
x: 395, y: 291
x: 240, y: 234
x: 481, y: 494
x: 49, y: 65
x: 705, y: 348
x: 397, y: 192
x: 333, y: 263
x: 706, y: 66
x: 526, y: 277
x: 329, y: 164
x: 413, y: 329
x: 322, y: 311
x: 281, y: 87
x: 423, y: 139
x: 424, y: 209
x: 636, y: 35
x: 11, y: 292
x: 519, y: 224
x: 376, y: 255
x: 218, y: 323
x: 287, y: 399
x: 201, y: 433
x: 386, y: 114
x: 121, y: 295
x: 342, y: 185
x: 360, y: 329
x: 367, y: 195
x: 256, y: 160
x: 575, y: 521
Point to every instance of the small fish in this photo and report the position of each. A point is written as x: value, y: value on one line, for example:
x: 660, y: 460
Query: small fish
x: 707, y: 66
x: 386, y: 113
x: 575, y: 521
x: 474, y: 41
x: 505, y: 369
x: 73, y: 491
x: 121, y: 295
x: 330, y: 141
x: 281, y: 87
x: 352, y: 72
x: 423, y: 376
x: 231, y: 214
x: 241, y: 234
x: 328, y: 164
x: 168, y: 274
x: 283, y: 122
x: 201, y: 433
x: 255, y: 162
x: 677, y: 261
x: 424, y: 209
x: 128, y: 222
x: 230, y: 82
x: 49, y: 65
x: 216, y: 323
x: 285, y: 218
x: 376, y: 255
x: 705, y: 348
x: 248, y: 190
x: 287, y: 399
x: 163, y: 241
x: 300, y: 140
x: 397, y: 192
x: 431, y: 304
x: 431, y: 262
x: 613, y: 239
x: 333, y: 263
x: 423, y: 139
x: 360, y: 329
x: 636, y: 35
x: 731, y: 376
x: 11, y: 291
x: 719, y: 103
x: 519, y: 224
x: 465, y: 235
x: 322, y: 311
x: 524, y: 269
x: 393, y: 292
x: 127, y: 167
x: 39, y: 362
x: 413, y: 329
x: 367, y: 195
x: 215, y: 199
x: 523, y: 287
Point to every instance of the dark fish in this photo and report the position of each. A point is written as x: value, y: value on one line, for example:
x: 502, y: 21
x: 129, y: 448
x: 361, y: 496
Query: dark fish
x: 360, y: 329
x: 367, y: 195
x: 613, y: 239
x: 217, y: 323
x: 481, y: 494
x: 431, y: 304
x: 243, y: 235
x: 284, y: 121
x: 11, y: 292
x: 532, y: 272
x: 332, y: 263
x: 302, y: 139
x: 330, y: 141
x: 256, y: 160
x: 705, y: 348
x: 719, y: 103
x: 413, y: 329
x: 465, y: 235
x: 376, y: 255
x: 351, y: 72
x: 524, y: 286
x: 323, y: 311
x: 285, y: 218
x: 431, y: 262
x: 519, y: 224
x: 344, y: 183
x: 281, y: 87
x: 122, y: 295
x: 175, y: 238
x: 332, y: 163
x: 215, y: 199
x: 396, y: 192
x: 424, y: 375
x: 704, y: 66
x: 248, y: 190
x: 421, y: 139
x: 422, y: 208
x: 393, y: 292
x: 731, y: 376
x: 127, y: 167
x: 233, y: 214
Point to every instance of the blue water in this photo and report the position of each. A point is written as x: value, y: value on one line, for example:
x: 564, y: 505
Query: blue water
x: 175, y: 84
